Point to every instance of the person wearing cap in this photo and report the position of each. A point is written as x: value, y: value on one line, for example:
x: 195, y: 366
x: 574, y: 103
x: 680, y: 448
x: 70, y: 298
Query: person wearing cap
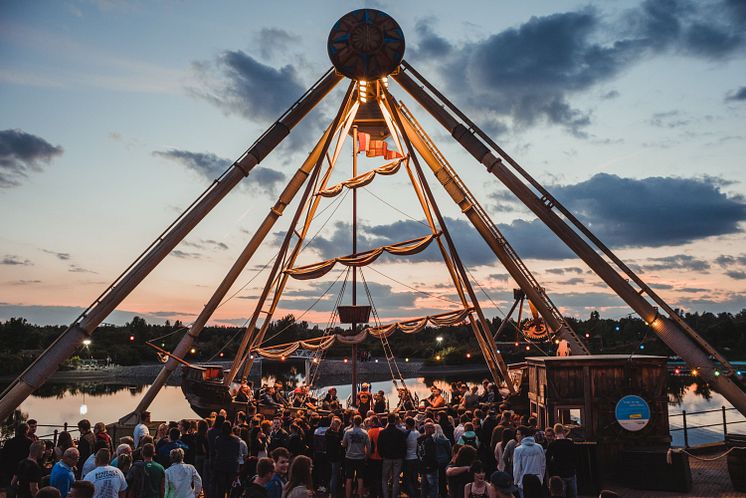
x: 298, y: 398
x: 502, y: 485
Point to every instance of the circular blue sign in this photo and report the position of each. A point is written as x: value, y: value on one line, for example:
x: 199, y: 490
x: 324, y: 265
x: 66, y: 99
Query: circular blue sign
x: 632, y: 412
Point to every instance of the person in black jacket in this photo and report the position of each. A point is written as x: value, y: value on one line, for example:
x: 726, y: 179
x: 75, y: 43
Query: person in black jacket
x: 392, y: 447
x: 278, y: 438
x: 427, y: 455
x: 224, y: 458
x: 334, y: 453
x: 15, y: 450
x: 562, y: 460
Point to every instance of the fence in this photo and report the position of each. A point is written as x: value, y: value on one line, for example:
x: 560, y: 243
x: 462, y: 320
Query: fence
x: 686, y: 427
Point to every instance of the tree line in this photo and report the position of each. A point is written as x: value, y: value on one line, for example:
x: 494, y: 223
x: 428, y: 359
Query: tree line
x: 21, y: 341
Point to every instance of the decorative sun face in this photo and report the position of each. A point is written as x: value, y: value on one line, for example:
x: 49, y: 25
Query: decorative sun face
x: 366, y: 44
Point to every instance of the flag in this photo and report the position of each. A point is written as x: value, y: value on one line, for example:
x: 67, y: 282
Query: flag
x: 377, y: 148
x: 392, y: 154
x: 363, y: 140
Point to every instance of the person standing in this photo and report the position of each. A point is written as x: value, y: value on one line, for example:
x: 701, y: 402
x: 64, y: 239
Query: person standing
x: 14, y: 450
x: 281, y: 458
x: 528, y: 457
x: 375, y: 462
x: 257, y: 488
x: 28, y: 472
x: 334, y: 453
x: 182, y: 479
x: 141, y: 429
x: 410, y: 457
x: 357, y: 447
x: 108, y: 481
x: 224, y: 458
x: 62, y: 475
x: 146, y: 477
x: 299, y: 483
x: 392, y: 446
x: 562, y: 460
x: 86, y: 444
x: 428, y: 460
x: 479, y: 487
x: 32, y: 425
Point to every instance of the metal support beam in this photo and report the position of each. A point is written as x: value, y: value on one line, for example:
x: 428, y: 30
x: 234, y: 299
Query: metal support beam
x: 668, y: 331
x: 65, y: 345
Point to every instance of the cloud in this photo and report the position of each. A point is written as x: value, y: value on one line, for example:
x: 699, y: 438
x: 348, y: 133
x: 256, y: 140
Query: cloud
x: 73, y: 268
x: 64, y: 256
x: 572, y: 281
x: 206, y: 244
x: 211, y: 166
x: 24, y: 282
x: 22, y: 153
x: 669, y: 119
x: 562, y: 271
x: 12, y: 260
x: 665, y: 211
x: 178, y: 253
x: 249, y: 88
x: 275, y: 41
x: 726, y: 260
x: 529, y: 74
x: 498, y: 276
x: 737, y: 95
x: 736, y: 274
x: 677, y: 262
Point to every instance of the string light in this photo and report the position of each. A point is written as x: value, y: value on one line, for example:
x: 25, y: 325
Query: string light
x: 468, y: 355
x: 695, y: 372
x: 193, y: 350
x: 437, y: 357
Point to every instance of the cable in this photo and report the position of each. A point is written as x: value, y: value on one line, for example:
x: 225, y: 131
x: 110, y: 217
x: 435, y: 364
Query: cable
x: 416, y: 290
x: 397, y: 209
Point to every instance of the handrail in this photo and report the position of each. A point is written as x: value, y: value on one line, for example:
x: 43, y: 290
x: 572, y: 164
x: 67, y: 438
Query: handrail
x: 700, y: 412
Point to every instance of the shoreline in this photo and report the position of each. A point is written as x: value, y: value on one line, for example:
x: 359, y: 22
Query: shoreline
x: 332, y: 368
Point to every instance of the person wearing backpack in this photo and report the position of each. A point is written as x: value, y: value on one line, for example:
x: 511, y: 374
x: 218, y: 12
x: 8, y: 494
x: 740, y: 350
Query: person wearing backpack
x: 146, y: 478
x: 469, y: 436
x: 427, y: 457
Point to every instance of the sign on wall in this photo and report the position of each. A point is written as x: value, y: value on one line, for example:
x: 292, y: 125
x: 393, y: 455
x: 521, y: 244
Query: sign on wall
x: 632, y: 412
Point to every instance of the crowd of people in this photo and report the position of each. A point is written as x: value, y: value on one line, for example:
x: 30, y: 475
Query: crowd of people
x: 470, y: 446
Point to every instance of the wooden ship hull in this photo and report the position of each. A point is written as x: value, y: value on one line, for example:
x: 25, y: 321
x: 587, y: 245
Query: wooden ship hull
x: 204, y: 389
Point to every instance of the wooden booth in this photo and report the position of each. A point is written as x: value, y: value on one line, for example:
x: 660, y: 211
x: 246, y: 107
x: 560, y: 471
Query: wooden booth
x: 586, y: 392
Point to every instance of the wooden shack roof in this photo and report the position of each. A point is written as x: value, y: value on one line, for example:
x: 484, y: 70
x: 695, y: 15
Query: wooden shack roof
x: 560, y: 361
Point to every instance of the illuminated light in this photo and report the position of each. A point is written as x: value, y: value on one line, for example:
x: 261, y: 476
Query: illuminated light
x: 695, y: 372
x: 516, y: 344
x: 642, y: 346
x: 468, y: 355
x: 437, y: 357
x: 282, y: 358
x: 617, y: 328
x: 86, y: 342
x: 193, y: 350
x: 528, y: 348
x: 556, y: 341
x: 345, y: 360
x: 677, y: 371
x: 738, y: 372
x: 587, y: 335
x: 363, y: 83
x: 252, y: 356
x: 83, y: 409
x: 646, y: 323
x: 439, y: 338
x: 315, y: 360
x: 363, y: 100
x: 163, y: 344
x: 717, y: 373
x: 221, y: 354
x: 132, y: 338
x: 498, y: 351
x: 376, y: 360
x: 406, y: 360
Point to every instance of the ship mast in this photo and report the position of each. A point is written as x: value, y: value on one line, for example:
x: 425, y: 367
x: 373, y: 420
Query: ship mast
x: 354, y: 269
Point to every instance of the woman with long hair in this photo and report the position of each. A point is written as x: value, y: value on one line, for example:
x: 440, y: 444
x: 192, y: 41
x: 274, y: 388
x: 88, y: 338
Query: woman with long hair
x: 64, y: 441
x: 478, y: 487
x: 457, y: 472
x: 300, y: 484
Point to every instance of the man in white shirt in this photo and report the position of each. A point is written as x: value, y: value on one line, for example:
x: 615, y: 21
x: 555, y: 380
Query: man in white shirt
x: 141, y: 429
x: 109, y: 481
x: 528, y: 457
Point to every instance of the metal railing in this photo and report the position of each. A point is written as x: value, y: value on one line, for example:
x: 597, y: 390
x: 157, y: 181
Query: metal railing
x: 686, y: 427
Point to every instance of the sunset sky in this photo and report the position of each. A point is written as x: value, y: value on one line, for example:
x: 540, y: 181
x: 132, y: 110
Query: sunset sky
x: 116, y: 115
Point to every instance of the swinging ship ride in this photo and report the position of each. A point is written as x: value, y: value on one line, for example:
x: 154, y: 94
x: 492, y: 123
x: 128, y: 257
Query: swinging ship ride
x: 366, y: 46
